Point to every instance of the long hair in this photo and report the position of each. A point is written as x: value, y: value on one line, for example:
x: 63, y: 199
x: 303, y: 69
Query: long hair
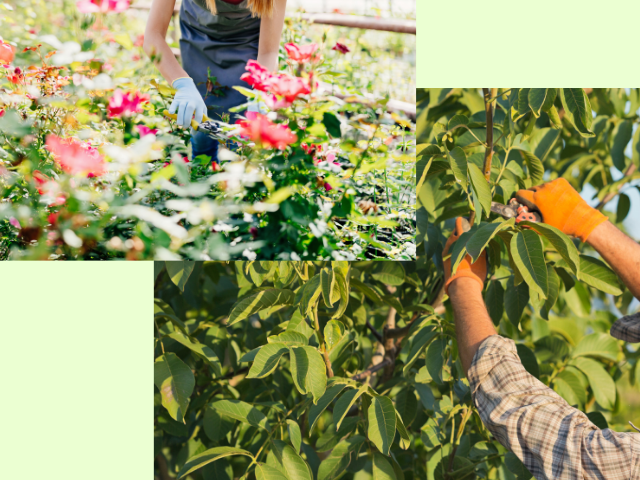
x: 259, y: 8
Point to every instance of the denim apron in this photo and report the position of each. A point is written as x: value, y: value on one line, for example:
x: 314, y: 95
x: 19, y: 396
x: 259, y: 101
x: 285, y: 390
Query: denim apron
x: 223, y: 42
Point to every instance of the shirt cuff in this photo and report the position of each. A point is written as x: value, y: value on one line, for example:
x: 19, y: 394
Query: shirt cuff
x: 627, y: 328
x: 492, y: 350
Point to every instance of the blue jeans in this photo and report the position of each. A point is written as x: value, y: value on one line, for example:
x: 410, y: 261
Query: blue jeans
x: 203, y: 144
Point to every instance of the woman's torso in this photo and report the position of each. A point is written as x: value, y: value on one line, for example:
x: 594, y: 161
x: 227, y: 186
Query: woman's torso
x: 231, y: 18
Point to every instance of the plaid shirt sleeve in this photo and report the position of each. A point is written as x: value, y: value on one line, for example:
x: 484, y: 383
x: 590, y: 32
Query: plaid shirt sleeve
x: 554, y: 440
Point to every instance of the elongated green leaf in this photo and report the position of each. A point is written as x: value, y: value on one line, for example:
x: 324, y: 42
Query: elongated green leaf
x: 267, y: 360
x: 382, y: 423
x: 568, y: 386
x: 175, y: 381
x: 242, y: 411
x: 407, y: 405
x: 624, y: 205
x: 458, y: 162
x: 333, y: 333
x: 435, y: 359
x: 382, y: 469
x: 405, y: 441
x: 481, y: 238
x: 368, y: 290
x: 389, y: 273
x: 215, y: 425
x: 561, y: 242
x: 459, y: 249
x: 597, y: 418
x: 602, y: 385
x: 480, y: 188
x: 523, y: 102
x: 174, y: 320
x: 494, y: 300
x: 526, y: 248
x: 179, y: 272
x: 343, y: 290
x: 528, y: 360
x: 552, y: 294
x: 299, y: 368
x: 266, y: 472
x: 295, y: 467
x: 535, y: 166
x: 621, y: 137
x: 537, y: 97
x: 543, y: 142
x: 576, y: 105
x: 199, y: 349
x: 597, y: 274
x: 515, y: 299
x: 208, y: 456
x: 419, y: 342
x: 344, y: 404
x: 554, y: 117
x: 552, y: 93
x: 260, y: 300
x: 516, y: 467
x: 457, y: 120
x: 290, y: 338
x: 329, y: 395
x: 310, y: 294
x: 328, y: 280
x: 294, y: 434
x: 337, y: 462
x: 316, y: 380
x: 599, y: 345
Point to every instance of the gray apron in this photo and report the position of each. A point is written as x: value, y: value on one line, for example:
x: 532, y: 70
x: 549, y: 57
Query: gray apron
x: 224, y: 43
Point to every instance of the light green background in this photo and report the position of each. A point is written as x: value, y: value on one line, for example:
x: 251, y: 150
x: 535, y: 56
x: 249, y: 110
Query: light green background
x: 76, y: 370
x: 567, y: 43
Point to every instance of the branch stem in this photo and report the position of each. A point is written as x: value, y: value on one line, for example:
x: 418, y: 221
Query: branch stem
x: 489, y: 94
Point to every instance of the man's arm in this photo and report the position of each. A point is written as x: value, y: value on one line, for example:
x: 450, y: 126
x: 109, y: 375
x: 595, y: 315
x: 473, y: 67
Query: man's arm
x: 621, y: 252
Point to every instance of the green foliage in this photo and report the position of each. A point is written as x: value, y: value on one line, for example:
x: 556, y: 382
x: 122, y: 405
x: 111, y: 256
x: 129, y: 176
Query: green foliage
x: 546, y: 291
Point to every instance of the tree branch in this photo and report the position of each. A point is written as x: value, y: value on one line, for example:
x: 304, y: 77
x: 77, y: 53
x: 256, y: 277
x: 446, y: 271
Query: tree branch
x: 375, y: 332
x: 372, y: 369
x: 489, y: 94
x: 609, y: 196
x: 323, y: 345
x: 389, y: 344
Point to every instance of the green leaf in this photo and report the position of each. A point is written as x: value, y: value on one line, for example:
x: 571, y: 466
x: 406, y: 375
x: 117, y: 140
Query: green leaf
x: 537, y: 97
x: 294, y: 466
x: 344, y: 404
x: 343, y: 290
x: 405, y: 441
x: 602, y: 385
x: 289, y: 338
x: 333, y: 333
x: 528, y: 360
x: 457, y: 120
x: 599, y: 345
x: 267, y: 360
x: 458, y: 162
x: 552, y: 93
x: 199, y: 349
x: 561, y: 242
x: 494, y: 299
x: 258, y: 301
x: 459, y: 249
x: 597, y: 418
x: 389, y: 273
x: 568, y: 386
x: 597, y: 274
x: 215, y: 425
x: 294, y: 434
x: 482, y: 450
x: 328, y: 281
x: 299, y: 368
x: 266, y: 472
x: 310, y: 295
x: 576, y: 105
x: 242, y: 411
x: 208, y: 456
x: 543, y: 142
x: 368, y: 290
x: 418, y: 343
x: 624, y: 205
x: 337, y: 462
x: 516, y: 298
x: 309, y: 371
x: 621, y: 137
x: 332, y: 124
x: 535, y: 166
x: 480, y: 188
x: 523, y: 102
x: 406, y: 405
x: 516, y: 467
x: 481, y: 238
x: 552, y: 294
x: 175, y: 381
x: 179, y: 272
x: 526, y: 248
x: 382, y: 423
x: 382, y: 469
x: 435, y: 360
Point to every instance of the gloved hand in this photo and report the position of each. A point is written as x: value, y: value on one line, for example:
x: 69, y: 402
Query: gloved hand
x: 562, y: 207
x: 255, y: 107
x: 477, y: 270
x: 187, y: 101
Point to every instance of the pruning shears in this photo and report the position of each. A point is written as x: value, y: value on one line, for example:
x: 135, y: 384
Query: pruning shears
x: 208, y: 125
x: 516, y: 210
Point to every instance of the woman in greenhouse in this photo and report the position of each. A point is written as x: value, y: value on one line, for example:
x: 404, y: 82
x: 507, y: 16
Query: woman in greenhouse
x: 218, y: 36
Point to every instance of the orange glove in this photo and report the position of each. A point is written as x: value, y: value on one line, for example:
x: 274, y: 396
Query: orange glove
x: 477, y: 270
x: 562, y: 207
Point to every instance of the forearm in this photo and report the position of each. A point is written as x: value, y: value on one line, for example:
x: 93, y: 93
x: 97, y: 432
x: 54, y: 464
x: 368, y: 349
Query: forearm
x: 473, y: 324
x: 157, y: 48
x: 619, y: 251
x: 270, y: 35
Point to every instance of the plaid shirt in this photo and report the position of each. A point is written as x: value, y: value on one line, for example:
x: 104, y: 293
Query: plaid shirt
x: 554, y: 440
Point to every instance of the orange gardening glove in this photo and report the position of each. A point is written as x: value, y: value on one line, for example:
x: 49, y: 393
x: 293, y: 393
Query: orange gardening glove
x: 562, y: 207
x: 477, y: 270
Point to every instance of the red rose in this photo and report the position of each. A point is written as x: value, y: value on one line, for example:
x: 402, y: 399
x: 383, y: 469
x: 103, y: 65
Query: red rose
x: 7, y: 52
x: 341, y: 48
x: 266, y: 133
x: 301, y: 53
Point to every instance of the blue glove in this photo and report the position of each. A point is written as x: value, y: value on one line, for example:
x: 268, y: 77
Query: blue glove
x: 258, y: 107
x: 187, y: 101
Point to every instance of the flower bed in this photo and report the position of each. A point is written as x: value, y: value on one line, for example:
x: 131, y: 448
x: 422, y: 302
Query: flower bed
x: 91, y: 168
